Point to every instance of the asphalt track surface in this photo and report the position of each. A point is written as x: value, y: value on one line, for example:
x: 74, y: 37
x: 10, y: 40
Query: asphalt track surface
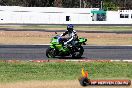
x: 37, y: 52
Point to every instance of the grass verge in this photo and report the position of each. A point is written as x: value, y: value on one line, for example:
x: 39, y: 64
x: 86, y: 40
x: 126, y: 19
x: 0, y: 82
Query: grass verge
x: 26, y: 71
x: 34, y: 37
x: 63, y: 27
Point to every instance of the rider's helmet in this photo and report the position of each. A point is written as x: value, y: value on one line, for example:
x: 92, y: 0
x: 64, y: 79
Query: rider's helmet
x: 70, y: 27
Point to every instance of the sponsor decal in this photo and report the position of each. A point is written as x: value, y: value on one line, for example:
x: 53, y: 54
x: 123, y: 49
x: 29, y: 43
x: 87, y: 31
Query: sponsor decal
x: 85, y: 81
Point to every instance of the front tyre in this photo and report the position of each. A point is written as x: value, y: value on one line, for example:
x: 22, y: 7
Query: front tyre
x: 78, y: 52
x: 51, y: 52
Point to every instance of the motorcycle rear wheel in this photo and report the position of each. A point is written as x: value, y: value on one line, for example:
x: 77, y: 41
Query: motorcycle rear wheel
x: 50, y: 53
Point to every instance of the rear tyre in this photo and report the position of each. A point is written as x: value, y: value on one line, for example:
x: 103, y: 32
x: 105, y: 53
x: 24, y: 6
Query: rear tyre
x: 78, y: 52
x: 51, y: 52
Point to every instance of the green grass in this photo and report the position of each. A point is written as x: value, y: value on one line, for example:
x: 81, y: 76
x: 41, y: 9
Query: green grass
x: 63, y: 27
x: 25, y: 71
x: 105, y: 28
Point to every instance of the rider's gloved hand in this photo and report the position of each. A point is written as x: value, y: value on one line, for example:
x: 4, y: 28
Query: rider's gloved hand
x: 61, y: 35
x: 65, y: 43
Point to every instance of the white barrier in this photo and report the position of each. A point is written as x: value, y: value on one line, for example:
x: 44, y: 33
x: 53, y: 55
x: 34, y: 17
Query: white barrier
x: 54, y: 15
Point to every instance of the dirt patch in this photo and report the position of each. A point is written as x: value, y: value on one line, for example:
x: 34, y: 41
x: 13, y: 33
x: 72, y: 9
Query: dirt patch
x: 39, y: 37
x: 53, y: 84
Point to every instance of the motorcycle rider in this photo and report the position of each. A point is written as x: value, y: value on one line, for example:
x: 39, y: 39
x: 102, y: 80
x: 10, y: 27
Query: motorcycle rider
x: 72, y: 35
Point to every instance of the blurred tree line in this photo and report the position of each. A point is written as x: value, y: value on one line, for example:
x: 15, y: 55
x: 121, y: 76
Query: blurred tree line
x: 107, y: 4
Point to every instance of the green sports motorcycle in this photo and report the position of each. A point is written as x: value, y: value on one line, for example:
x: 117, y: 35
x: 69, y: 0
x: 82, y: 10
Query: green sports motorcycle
x: 57, y: 48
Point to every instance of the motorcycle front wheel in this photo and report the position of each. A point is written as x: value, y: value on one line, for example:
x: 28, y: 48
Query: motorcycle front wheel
x: 51, y: 52
x: 78, y: 52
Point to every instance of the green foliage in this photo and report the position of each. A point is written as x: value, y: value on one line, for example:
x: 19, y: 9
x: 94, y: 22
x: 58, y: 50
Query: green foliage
x: 70, y: 3
x: 10, y: 72
x: 111, y: 4
x: 27, y: 3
